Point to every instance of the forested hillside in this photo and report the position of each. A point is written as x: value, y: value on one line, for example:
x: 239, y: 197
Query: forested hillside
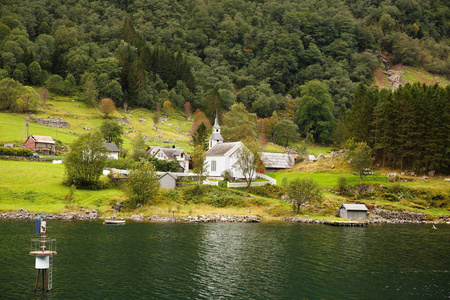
x: 303, y: 59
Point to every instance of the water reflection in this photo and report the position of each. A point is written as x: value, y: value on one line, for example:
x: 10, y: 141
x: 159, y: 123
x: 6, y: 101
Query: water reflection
x: 244, y: 261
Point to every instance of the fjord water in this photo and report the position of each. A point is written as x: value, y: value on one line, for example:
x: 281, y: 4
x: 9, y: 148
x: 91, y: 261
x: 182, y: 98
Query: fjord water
x: 271, y: 260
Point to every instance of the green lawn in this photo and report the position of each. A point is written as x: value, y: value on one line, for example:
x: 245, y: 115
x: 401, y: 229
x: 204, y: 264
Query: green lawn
x: 37, y: 186
x: 316, y: 150
x: 329, y: 180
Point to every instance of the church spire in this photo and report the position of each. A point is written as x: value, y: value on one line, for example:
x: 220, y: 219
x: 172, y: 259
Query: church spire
x: 215, y: 137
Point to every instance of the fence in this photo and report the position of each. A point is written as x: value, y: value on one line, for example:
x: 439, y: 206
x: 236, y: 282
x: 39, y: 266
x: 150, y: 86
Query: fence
x: 207, y: 182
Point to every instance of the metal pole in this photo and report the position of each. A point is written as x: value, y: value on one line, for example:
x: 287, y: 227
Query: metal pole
x: 37, y: 279
x: 43, y: 279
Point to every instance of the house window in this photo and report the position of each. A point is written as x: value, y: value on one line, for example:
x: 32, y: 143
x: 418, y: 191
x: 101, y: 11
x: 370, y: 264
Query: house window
x: 213, y: 165
x: 160, y: 154
x: 181, y: 155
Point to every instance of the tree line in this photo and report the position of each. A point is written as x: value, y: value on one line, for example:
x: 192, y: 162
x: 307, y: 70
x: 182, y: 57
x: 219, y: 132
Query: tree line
x: 408, y: 128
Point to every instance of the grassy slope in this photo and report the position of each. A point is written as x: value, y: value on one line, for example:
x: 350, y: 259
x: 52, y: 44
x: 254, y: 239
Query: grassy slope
x: 410, y: 75
x: 79, y: 116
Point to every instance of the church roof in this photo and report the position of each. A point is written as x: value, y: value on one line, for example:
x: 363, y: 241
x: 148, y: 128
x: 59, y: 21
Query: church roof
x: 223, y: 149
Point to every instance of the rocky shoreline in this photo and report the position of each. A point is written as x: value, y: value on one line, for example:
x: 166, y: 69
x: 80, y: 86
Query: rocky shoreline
x: 377, y: 216
x: 92, y: 215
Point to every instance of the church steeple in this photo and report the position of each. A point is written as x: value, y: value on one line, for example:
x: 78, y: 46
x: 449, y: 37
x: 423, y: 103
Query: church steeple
x: 215, y: 137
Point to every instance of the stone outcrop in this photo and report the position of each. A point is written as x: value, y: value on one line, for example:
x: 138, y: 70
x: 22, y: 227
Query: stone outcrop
x: 51, y: 122
x: 389, y: 216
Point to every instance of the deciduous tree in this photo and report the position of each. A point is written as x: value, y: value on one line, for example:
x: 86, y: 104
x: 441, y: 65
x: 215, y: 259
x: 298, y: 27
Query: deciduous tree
x: 200, y: 166
x: 107, y: 107
x: 361, y: 159
x: 142, y: 185
x: 85, y: 161
x: 301, y: 191
x: 112, y: 132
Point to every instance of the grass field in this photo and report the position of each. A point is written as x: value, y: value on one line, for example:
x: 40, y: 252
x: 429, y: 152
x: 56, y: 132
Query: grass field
x: 38, y: 186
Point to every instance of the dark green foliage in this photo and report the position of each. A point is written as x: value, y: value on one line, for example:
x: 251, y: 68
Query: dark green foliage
x: 200, y: 137
x: 271, y: 191
x: 112, y: 132
x: 164, y: 165
x: 121, y: 163
x: 258, y: 51
x: 407, y: 128
x: 314, y: 113
x: 213, y: 196
x: 284, y: 132
x: 15, y: 151
x: 10, y: 90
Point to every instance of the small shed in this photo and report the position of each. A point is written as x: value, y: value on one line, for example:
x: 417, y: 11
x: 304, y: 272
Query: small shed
x: 113, y: 150
x: 41, y: 144
x: 167, y: 181
x: 353, y: 211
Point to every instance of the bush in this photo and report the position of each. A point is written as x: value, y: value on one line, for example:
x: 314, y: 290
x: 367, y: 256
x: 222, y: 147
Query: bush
x: 15, y: 151
x: 342, y: 183
x: 271, y: 191
x: 212, y: 196
x: 121, y: 163
x: 171, y: 195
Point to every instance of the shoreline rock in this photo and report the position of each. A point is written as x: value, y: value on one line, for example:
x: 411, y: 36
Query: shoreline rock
x: 92, y: 215
x: 377, y: 216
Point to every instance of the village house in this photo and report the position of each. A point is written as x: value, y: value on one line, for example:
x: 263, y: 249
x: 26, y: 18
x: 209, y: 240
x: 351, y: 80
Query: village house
x: 113, y: 150
x: 353, y: 211
x: 274, y: 162
x: 170, y: 154
x: 41, y: 144
x: 222, y: 156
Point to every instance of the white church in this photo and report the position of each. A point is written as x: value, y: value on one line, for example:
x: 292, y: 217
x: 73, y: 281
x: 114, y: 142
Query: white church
x: 222, y: 156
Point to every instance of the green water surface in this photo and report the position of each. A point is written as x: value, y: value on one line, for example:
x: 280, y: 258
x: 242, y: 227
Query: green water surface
x: 230, y: 261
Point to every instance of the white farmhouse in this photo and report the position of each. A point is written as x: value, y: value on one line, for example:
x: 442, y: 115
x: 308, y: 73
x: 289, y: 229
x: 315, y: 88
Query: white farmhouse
x: 176, y: 154
x: 222, y: 156
x: 112, y: 150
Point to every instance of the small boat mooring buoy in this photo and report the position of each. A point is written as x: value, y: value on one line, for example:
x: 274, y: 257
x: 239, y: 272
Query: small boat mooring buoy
x: 43, y: 249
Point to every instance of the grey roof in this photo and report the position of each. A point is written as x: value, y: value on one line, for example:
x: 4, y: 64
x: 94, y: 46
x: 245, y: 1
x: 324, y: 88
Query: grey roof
x: 216, y: 122
x: 221, y: 149
x: 112, y: 147
x: 216, y: 137
x: 169, y: 174
x: 277, y: 160
x: 361, y: 207
x: 171, y: 153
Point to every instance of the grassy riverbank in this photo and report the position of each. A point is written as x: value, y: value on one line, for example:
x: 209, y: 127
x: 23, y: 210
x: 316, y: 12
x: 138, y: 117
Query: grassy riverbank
x: 38, y: 187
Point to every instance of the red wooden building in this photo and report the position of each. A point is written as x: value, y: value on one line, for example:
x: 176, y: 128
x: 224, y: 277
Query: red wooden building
x: 41, y: 144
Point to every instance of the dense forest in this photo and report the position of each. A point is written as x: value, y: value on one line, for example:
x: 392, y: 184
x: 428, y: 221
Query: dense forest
x: 303, y: 60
